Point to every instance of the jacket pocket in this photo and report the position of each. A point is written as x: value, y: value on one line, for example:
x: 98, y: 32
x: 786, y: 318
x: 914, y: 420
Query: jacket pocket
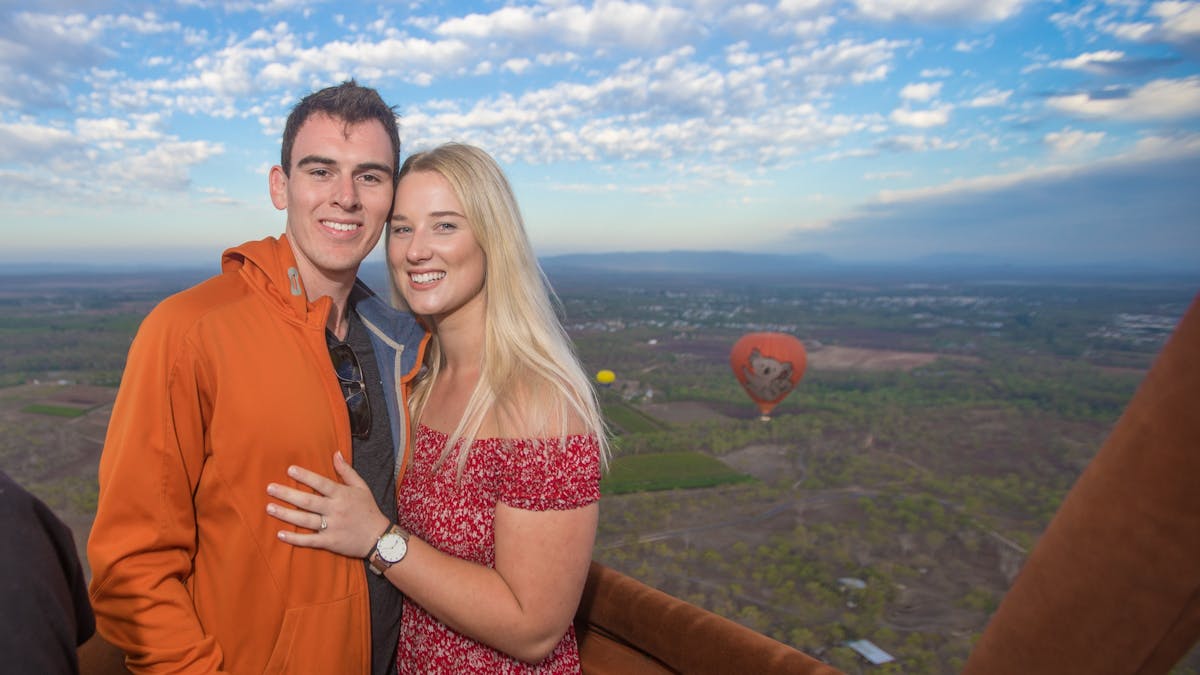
x: 321, y: 639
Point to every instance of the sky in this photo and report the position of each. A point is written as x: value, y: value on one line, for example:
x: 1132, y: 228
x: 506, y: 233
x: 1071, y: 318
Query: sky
x: 1044, y: 131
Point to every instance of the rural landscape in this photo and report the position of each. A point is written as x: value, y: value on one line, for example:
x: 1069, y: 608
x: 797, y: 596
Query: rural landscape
x: 892, y: 497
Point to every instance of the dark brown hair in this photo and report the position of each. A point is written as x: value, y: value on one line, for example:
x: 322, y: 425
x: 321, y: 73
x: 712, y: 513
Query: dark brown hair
x: 348, y: 102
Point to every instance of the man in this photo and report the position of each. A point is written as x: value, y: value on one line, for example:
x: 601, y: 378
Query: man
x: 227, y: 384
x: 42, y: 589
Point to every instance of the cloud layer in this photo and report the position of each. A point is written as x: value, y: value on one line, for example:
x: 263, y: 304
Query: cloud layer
x: 799, y: 115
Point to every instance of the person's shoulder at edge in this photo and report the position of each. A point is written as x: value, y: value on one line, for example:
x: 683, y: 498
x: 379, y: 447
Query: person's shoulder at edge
x: 40, y: 563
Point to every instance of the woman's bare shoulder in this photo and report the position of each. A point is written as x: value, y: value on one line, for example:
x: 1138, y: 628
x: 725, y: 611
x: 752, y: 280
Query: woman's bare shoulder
x: 536, y: 412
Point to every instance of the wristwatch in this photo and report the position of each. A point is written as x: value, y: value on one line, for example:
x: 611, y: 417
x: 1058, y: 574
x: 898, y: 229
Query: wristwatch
x: 389, y: 549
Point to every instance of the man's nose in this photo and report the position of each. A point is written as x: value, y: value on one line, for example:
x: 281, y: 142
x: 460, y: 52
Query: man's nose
x: 345, y: 193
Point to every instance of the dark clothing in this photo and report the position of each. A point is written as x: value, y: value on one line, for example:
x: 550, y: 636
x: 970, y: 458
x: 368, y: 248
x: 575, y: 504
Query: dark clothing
x: 43, y: 593
x: 374, y: 459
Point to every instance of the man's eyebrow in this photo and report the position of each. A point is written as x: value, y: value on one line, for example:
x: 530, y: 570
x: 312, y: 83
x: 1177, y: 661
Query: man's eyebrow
x: 326, y: 161
x: 315, y: 159
x: 374, y: 166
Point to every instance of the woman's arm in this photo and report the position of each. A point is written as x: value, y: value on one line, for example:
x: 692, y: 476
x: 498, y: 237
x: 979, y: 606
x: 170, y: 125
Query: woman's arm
x: 522, y: 607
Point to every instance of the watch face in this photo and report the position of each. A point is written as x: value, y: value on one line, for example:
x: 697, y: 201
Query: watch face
x: 392, y: 547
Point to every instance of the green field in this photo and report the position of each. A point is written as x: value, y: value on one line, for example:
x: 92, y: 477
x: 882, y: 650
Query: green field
x: 55, y: 410
x: 626, y: 419
x: 667, y: 471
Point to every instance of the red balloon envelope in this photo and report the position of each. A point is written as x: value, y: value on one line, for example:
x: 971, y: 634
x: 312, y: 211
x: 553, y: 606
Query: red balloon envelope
x: 768, y: 365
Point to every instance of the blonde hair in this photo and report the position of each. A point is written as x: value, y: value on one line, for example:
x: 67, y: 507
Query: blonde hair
x: 530, y: 374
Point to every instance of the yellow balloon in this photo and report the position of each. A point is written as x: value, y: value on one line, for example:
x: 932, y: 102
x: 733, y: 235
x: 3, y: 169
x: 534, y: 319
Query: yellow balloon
x: 606, y: 377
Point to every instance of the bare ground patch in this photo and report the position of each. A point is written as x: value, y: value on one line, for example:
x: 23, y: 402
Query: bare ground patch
x: 768, y: 463
x: 682, y: 413
x: 833, y: 357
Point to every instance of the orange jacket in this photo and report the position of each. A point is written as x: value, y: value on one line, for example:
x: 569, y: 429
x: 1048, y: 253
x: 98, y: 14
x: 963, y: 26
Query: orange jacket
x: 226, y: 385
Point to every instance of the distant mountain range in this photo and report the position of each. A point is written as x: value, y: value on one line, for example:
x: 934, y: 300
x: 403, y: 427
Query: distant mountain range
x: 731, y: 263
x: 707, y: 263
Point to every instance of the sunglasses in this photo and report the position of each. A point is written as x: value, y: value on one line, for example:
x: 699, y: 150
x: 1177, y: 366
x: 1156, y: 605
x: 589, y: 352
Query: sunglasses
x: 349, y: 375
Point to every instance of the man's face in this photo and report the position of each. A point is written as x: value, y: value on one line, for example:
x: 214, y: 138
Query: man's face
x: 337, y: 196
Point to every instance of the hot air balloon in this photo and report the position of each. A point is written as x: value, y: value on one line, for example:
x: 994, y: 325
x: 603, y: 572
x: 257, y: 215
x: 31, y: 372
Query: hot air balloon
x: 768, y: 365
x: 605, y: 377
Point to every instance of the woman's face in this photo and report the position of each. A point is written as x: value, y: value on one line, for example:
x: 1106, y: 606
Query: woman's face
x: 435, y: 260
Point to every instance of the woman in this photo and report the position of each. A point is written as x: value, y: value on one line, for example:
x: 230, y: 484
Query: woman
x: 498, y: 507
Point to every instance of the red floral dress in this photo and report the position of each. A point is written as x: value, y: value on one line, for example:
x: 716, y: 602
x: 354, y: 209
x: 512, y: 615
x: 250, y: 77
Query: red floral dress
x: 458, y: 518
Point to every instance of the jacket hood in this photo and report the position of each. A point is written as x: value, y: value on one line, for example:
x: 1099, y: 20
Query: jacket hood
x: 269, y: 266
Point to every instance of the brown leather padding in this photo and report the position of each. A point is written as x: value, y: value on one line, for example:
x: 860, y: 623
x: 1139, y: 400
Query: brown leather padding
x: 1113, y: 585
x: 627, y: 628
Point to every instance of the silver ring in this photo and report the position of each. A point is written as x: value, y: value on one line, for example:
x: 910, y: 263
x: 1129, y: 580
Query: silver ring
x: 324, y: 525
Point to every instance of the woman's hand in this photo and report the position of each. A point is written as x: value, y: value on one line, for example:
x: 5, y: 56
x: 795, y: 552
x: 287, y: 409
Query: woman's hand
x: 343, y: 516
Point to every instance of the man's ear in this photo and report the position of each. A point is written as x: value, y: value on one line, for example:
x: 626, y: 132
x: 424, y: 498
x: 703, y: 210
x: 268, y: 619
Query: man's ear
x: 277, y: 182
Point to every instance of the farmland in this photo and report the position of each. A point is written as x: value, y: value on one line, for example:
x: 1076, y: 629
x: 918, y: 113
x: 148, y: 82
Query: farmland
x: 892, y: 496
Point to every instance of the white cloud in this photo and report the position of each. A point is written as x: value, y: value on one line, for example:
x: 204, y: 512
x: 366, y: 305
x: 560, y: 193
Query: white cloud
x: 1079, y: 19
x: 118, y: 131
x: 970, y: 46
x: 23, y: 141
x: 921, y: 91
x: 607, y: 22
x: 510, y: 22
x: 1172, y: 21
x: 922, y: 119
x: 1180, y: 20
x: 803, y: 6
x: 65, y: 30
x: 764, y: 88
x: 1072, y: 141
x: 797, y: 18
x: 245, y: 68
x: 915, y: 143
x: 751, y: 15
x: 990, y: 99
x: 650, y: 110
x: 846, y: 60
x: 146, y: 24
x: 1140, y: 31
x: 165, y: 166
x: 952, y: 11
x: 517, y: 66
x: 1157, y: 100
x: 1091, y: 61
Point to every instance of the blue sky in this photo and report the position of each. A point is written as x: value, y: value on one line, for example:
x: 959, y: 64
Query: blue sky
x: 1039, y: 130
